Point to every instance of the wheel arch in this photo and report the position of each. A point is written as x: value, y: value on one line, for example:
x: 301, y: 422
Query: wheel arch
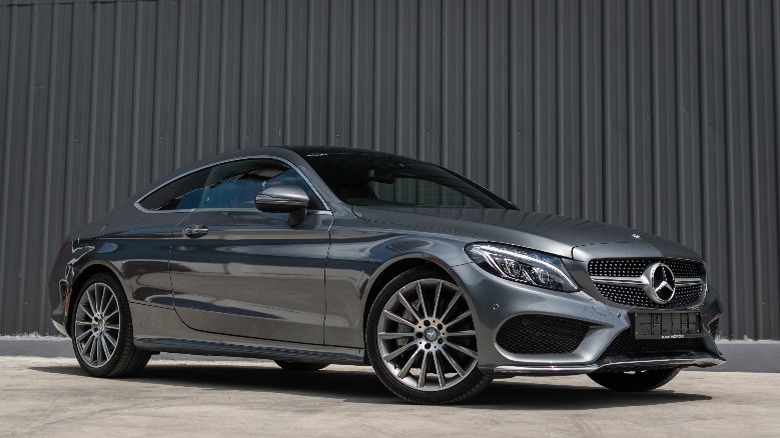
x: 395, y: 267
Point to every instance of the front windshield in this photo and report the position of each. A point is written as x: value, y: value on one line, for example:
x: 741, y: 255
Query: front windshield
x: 383, y: 180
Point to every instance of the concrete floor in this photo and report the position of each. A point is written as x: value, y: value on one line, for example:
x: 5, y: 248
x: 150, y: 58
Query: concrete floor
x: 51, y: 396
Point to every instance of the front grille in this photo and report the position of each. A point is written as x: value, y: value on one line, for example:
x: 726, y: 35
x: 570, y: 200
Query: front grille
x: 541, y: 334
x: 636, y: 267
x: 625, y: 344
x: 636, y: 297
x: 685, y: 296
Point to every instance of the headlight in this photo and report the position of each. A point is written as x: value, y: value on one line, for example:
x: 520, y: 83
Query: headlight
x: 522, y: 265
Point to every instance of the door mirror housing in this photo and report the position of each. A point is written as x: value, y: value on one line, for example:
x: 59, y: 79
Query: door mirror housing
x: 284, y: 199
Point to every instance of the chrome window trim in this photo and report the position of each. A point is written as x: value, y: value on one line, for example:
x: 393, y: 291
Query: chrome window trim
x: 137, y: 203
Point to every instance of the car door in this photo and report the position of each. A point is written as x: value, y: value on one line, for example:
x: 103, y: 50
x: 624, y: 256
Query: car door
x: 238, y: 271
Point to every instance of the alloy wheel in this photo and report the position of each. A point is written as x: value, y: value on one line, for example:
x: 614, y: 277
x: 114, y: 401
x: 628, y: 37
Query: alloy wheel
x: 426, y: 335
x: 97, y: 324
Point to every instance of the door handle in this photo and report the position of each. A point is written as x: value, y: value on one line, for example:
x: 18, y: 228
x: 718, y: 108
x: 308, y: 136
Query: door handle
x: 195, y: 231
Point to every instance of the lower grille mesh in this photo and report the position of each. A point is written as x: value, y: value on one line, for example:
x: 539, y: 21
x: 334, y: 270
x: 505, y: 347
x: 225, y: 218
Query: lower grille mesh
x: 541, y: 334
x: 625, y: 343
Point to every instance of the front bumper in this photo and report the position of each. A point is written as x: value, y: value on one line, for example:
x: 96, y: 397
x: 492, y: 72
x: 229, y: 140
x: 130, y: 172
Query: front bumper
x: 495, y: 301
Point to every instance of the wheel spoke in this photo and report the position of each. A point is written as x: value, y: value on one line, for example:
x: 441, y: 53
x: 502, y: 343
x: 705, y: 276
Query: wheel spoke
x: 103, y: 344
x: 405, y: 370
x: 460, y: 318
x: 111, y: 340
x: 83, y: 323
x: 110, y: 315
x: 87, y: 312
x: 87, y: 344
x: 418, y: 287
x: 453, y: 301
x: 390, y: 356
x: 462, y: 349
x: 392, y: 316
x: 112, y: 326
x: 464, y: 333
x: 91, y: 298
x: 436, y: 298
x: 98, y: 352
x: 453, y: 364
x: 387, y: 335
x: 112, y: 299
x: 423, y: 370
x: 93, y: 350
x: 405, y: 303
x: 439, y: 371
x: 103, y: 302
x: 84, y: 335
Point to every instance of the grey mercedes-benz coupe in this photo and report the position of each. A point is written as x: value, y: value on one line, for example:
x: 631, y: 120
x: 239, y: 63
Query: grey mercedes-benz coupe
x: 314, y: 255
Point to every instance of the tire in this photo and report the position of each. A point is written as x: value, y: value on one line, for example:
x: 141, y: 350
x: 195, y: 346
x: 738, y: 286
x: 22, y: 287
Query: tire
x: 102, y: 330
x: 421, y: 340
x: 638, y: 381
x: 300, y: 366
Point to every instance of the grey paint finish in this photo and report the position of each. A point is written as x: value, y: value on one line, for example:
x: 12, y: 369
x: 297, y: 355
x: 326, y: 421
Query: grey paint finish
x: 251, y: 296
x: 661, y: 116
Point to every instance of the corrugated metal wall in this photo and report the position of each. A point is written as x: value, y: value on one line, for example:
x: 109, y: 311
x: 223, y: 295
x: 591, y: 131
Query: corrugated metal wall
x: 659, y: 115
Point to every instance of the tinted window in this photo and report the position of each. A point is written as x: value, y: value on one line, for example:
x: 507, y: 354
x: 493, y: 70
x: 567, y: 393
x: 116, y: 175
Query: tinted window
x: 181, y: 194
x: 372, y: 179
x: 415, y: 191
x: 230, y: 185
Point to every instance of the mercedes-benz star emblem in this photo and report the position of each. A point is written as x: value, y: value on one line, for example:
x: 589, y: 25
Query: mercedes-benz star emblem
x: 659, y: 283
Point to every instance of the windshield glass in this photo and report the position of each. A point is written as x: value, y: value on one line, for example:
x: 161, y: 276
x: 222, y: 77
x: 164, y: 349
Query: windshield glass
x: 373, y: 179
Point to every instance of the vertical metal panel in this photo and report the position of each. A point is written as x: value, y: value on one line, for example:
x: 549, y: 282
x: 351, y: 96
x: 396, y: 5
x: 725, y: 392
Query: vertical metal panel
x: 658, y: 115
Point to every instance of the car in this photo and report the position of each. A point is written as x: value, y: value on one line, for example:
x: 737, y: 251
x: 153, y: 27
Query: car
x: 311, y: 256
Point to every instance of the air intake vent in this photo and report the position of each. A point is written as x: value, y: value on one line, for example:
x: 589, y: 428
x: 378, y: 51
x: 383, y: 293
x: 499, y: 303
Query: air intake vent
x: 625, y: 344
x: 541, y: 334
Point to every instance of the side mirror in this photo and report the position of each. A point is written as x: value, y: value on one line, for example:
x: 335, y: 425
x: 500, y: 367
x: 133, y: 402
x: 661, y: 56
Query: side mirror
x: 284, y: 199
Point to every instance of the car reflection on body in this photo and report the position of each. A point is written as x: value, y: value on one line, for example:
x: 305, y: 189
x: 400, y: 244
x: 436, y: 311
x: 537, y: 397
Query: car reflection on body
x: 315, y: 255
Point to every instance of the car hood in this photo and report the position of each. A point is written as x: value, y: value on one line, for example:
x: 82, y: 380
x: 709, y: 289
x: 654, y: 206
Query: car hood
x: 559, y: 235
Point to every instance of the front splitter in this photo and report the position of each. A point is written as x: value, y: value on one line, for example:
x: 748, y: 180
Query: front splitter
x: 614, y: 363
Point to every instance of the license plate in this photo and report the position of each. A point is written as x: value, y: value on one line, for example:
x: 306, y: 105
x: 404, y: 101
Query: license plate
x: 675, y: 325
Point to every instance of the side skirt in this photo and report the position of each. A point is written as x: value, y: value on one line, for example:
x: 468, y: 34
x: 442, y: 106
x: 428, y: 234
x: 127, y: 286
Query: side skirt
x: 256, y: 349
x: 158, y: 328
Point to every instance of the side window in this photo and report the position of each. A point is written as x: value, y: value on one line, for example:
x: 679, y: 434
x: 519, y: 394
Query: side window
x: 235, y: 184
x: 181, y: 194
x: 230, y: 185
x: 412, y: 191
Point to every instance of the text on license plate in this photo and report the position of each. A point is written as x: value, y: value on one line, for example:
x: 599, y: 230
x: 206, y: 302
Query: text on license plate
x: 674, y: 325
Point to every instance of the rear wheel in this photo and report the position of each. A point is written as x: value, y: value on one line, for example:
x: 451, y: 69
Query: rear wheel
x: 635, y: 381
x: 300, y: 366
x: 102, y: 332
x: 421, y: 339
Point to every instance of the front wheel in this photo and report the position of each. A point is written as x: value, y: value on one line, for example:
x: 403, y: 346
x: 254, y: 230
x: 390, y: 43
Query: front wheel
x: 421, y: 339
x: 635, y: 381
x: 102, y: 331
